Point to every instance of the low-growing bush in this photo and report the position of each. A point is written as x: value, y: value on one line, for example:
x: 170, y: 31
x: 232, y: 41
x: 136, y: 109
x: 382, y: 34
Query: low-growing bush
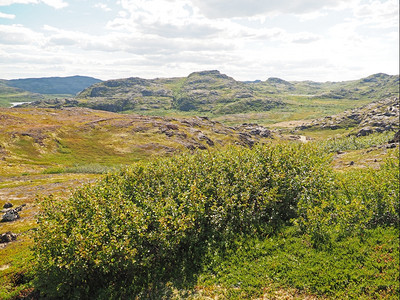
x: 353, y: 142
x: 151, y: 224
x: 91, y: 169
x: 358, y: 200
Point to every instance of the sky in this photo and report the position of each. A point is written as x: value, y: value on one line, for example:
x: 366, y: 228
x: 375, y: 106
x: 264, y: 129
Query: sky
x: 329, y: 40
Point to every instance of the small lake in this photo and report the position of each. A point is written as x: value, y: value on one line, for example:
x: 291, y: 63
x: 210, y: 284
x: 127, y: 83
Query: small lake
x: 17, y: 103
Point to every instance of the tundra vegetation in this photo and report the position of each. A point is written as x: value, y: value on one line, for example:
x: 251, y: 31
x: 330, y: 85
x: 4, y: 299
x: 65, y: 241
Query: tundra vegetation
x: 127, y: 206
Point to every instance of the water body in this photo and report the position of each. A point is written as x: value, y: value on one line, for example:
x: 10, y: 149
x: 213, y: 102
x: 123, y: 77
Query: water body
x: 17, y: 103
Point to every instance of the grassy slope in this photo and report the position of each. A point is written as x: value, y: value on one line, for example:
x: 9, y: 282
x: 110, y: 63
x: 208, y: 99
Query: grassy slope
x: 221, y: 281
x: 10, y: 94
x: 33, y: 140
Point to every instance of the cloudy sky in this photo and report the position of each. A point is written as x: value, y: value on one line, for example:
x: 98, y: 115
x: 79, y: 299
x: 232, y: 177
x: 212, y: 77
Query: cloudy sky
x: 329, y: 40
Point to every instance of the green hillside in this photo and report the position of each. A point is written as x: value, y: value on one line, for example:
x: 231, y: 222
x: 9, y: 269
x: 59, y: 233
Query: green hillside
x: 217, y: 95
x: 36, y: 140
x: 10, y: 94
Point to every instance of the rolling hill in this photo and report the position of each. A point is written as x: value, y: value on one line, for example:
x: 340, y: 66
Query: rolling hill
x: 217, y: 95
x: 53, y: 85
x: 38, y: 139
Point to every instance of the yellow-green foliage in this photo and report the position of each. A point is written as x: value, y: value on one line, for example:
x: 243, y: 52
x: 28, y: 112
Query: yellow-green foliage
x: 358, y: 200
x: 354, y: 143
x: 154, y: 223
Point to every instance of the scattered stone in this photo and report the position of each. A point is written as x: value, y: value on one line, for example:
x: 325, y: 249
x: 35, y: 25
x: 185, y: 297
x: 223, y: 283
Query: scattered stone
x: 7, y: 205
x: 7, y: 237
x: 19, y: 208
x: 202, y: 136
x: 390, y: 146
x: 396, y: 138
x: 365, y: 131
x: 377, y: 116
x: 10, y: 215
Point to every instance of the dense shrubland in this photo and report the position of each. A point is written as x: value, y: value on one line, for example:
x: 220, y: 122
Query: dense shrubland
x: 161, y: 223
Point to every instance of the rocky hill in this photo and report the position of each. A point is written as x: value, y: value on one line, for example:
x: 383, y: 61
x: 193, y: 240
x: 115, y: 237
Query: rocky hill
x: 206, y: 91
x: 211, y: 91
x: 377, y: 116
x: 373, y: 87
x: 217, y: 95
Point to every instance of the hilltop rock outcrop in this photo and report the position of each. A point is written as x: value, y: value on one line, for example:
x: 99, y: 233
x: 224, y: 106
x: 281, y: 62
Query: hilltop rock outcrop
x: 377, y: 116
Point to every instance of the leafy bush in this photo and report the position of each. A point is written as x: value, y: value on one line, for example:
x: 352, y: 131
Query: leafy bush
x: 161, y: 222
x: 358, y: 200
x: 153, y: 223
x: 355, y: 143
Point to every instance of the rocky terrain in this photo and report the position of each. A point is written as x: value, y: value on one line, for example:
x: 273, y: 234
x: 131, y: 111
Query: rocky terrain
x: 218, y: 94
x: 206, y: 91
x: 378, y: 116
x: 39, y: 138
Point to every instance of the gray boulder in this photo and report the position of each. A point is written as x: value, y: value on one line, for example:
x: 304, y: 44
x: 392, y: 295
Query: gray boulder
x: 396, y: 138
x: 365, y: 131
x: 10, y: 215
x: 7, y: 205
x: 7, y: 237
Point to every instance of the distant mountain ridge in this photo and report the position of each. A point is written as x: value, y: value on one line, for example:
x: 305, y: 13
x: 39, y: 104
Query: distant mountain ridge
x: 70, y: 85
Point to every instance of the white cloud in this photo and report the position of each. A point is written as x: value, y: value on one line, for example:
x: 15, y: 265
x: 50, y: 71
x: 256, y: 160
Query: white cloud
x: 312, y: 15
x: 247, y: 8
x: 304, y: 38
x: 379, y: 14
x: 295, y: 40
x: 57, y: 4
x: 102, y: 6
x: 10, y: 2
x: 19, y: 35
x: 6, y: 16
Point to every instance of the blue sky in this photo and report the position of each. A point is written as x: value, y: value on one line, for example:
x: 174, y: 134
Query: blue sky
x: 330, y: 40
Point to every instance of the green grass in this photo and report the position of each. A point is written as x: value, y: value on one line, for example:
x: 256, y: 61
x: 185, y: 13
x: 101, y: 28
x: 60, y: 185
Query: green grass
x: 16, y: 264
x: 355, y: 267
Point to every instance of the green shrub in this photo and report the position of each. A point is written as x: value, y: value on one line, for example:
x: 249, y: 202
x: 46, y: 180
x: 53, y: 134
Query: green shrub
x: 355, y: 143
x: 91, y: 169
x: 153, y: 223
x: 157, y: 223
x: 357, y: 200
